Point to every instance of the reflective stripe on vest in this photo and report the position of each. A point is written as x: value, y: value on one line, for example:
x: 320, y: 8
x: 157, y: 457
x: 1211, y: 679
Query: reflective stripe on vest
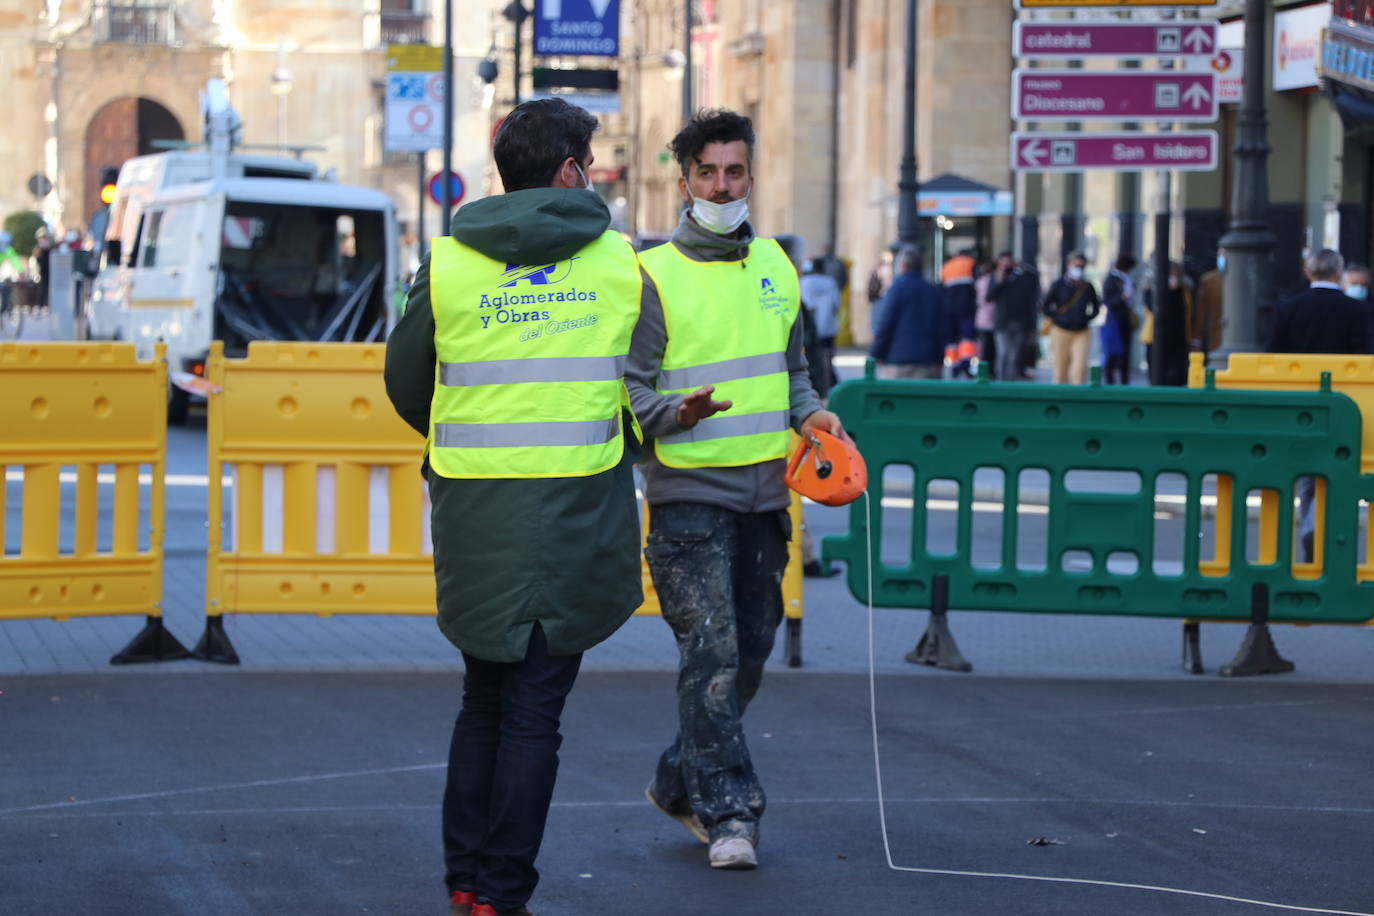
x: 531, y: 358
x: 550, y: 369
x: 525, y: 435
x: 728, y: 324
x: 728, y: 425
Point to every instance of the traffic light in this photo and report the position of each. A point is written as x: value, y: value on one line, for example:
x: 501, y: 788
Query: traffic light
x: 109, y: 177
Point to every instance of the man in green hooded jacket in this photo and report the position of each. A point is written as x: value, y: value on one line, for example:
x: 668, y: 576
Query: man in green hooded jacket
x: 510, y: 360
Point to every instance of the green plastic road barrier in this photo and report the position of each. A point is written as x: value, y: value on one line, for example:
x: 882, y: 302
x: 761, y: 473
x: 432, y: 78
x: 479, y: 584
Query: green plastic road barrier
x: 1101, y: 548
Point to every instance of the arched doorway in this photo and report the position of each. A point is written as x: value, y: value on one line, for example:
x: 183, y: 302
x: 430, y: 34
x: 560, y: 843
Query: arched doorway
x: 119, y: 131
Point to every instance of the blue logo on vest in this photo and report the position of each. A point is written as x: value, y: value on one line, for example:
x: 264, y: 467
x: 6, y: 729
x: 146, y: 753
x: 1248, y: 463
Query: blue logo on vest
x: 535, y: 276
x: 771, y: 299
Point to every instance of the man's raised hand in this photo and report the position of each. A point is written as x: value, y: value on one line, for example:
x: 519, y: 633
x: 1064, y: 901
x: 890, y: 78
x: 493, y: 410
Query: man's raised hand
x: 698, y: 406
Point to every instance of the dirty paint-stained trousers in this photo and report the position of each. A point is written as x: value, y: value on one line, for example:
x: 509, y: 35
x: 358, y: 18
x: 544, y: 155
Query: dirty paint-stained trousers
x: 718, y: 575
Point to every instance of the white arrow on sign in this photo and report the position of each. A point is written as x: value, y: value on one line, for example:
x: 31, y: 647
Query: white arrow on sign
x: 1033, y: 152
x: 1199, y: 39
x: 1197, y: 95
x: 599, y: 7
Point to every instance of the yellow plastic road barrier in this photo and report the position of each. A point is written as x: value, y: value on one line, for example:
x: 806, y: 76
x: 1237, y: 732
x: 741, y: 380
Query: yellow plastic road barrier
x: 327, y: 510
x: 791, y: 584
x: 84, y: 413
x: 1351, y: 375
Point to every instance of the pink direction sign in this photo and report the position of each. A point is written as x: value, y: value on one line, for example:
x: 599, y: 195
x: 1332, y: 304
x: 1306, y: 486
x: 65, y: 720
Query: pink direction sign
x: 1117, y: 95
x: 1194, y: 151
x: 1076, y: 39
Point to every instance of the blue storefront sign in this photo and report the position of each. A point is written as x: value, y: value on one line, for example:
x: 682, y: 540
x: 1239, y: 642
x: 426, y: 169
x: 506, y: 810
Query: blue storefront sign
x: 577, y: 27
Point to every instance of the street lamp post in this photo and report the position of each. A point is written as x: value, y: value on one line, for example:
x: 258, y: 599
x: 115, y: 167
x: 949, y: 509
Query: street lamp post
x: 907, y: 186
x: 1248, y: 290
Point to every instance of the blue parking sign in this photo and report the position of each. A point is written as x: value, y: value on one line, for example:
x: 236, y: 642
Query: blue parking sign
x: 577, y: 27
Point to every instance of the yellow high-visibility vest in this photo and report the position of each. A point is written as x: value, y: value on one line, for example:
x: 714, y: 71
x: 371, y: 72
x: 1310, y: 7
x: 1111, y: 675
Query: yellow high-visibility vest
x: 531, y: 361
x: 728, y: 323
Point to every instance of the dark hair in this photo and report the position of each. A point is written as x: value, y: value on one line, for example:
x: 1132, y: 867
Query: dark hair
x: 714, y: 126
x: 1126, y: 263
x: 1006, y: 253
x: 537, y: 137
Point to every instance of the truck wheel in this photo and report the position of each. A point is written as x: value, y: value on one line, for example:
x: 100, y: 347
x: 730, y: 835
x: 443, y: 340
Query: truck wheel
x: 178, y: 406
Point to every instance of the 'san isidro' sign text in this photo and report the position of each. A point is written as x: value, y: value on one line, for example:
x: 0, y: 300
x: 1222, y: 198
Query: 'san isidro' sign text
x: 577, y: 27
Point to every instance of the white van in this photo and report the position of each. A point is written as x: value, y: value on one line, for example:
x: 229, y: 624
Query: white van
x: 240, y: 248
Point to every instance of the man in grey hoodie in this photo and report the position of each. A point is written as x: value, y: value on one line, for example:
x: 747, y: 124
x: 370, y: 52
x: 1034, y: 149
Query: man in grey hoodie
x: 720, y: 317
x: 510, y: 359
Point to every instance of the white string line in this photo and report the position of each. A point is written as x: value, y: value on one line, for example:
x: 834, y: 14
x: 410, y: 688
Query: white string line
x: 882, y: 807
x: 255, y: 784
x: 593, y: 804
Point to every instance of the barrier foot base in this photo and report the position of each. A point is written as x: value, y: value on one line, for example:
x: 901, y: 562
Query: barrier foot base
x: 214, y: 645
x: 1192, y: 647
x: 937, y: 647
x: 1257, y: 655
x: 791, y: 645
x: 154, y: 643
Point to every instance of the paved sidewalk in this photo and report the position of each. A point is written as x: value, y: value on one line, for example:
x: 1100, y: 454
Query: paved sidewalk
x: 318, y: 794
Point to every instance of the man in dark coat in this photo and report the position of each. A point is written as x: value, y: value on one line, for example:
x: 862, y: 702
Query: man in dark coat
x: 1015, y: 294
x: 1322, y: 319
x: 912, y: 334
x: 530, y: 571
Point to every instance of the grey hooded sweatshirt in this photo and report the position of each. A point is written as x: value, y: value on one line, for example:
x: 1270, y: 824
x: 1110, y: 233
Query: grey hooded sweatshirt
x: 752, y: 488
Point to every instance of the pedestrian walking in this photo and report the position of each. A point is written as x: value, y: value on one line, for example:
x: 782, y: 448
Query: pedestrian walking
x: 1015, y: 294
x: 792, y: 246
x: 1204, y: 323
x: 718, y: 521
x: 821, y: 295
x: 984, y: 318
x: 1321, y: 319
x: 1118, y: 295
x: 509, y: 359
x: 879, y: 279
x: 1069, y: 306
x: 961, y: 307
x: 42, y: 258
x: 1356, y: 286
x: 912, y: 339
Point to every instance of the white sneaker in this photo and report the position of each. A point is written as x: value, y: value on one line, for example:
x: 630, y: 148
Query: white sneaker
x: 733, y: 852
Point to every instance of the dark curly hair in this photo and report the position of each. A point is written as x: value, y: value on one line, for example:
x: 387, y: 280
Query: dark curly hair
x: 712, y: 126
x: 537, y: 137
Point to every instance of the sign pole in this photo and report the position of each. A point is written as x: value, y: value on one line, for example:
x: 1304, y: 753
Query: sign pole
x: 1170, y: 363
x: 446, y: 208
x: 686, y: 61
x: 420, y: 203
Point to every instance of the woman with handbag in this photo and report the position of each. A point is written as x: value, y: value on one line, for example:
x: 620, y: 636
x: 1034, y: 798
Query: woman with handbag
x: 1070, y: 306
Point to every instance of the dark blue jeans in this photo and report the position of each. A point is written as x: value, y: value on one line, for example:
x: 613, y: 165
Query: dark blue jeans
x: 502, y: 764
x: 718, y: 575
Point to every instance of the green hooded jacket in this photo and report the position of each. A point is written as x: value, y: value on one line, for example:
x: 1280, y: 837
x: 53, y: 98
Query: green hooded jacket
x: 563, y: 551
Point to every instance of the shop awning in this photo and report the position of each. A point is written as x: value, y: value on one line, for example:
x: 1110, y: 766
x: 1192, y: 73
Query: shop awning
x: 955, y: 195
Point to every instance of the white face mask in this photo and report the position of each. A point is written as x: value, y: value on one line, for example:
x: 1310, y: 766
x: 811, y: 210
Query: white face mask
x: 721, y: 219
x: 1221, y: 262
x: 1357, y: 291
x: 586, y: 182
x: 1075, y: 273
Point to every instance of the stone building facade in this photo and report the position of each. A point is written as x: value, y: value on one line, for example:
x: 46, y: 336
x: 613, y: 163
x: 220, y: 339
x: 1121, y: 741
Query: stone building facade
x: 91, y: 83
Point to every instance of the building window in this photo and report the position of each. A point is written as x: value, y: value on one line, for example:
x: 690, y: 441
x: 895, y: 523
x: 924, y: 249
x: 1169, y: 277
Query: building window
x: 404, y: 22
x: 134, y: 22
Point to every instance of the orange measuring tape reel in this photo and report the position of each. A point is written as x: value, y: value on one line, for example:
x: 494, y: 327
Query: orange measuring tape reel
x: 827, y: 469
